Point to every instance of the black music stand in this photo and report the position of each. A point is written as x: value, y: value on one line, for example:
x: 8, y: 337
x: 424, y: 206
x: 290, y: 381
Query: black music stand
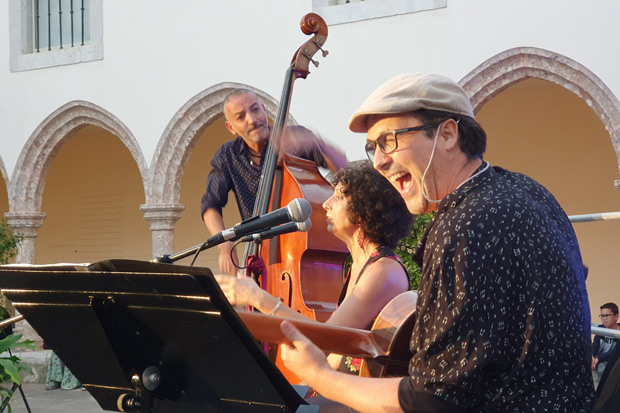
x: 149, y: 337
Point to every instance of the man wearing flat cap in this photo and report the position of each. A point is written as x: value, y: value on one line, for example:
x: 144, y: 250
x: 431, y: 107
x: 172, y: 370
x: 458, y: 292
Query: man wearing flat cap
x: 503, y: 320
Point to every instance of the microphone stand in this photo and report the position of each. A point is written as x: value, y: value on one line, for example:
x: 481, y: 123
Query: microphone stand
x: 218, y: 239
x: 171, y: 258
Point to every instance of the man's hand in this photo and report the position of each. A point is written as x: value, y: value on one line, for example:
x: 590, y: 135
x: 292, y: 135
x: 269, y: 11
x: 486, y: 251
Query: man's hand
x: 594, y: 362
x: 309, y: 363
x: 225, y: 261
x: 298, y: 141
x: 215, y: 224
x: 301, y: 142
x: 302, y: 357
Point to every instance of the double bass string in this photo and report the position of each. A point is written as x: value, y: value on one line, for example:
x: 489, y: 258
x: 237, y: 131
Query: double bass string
x: 261, y: 205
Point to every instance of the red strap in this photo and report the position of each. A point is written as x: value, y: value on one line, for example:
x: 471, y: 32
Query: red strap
x: 255, y: 268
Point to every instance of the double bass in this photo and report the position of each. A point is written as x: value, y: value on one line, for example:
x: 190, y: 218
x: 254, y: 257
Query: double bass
x: 304, y: 269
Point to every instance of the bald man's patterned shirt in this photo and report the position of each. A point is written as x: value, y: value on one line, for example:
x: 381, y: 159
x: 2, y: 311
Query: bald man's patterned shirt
x: 232, y: 170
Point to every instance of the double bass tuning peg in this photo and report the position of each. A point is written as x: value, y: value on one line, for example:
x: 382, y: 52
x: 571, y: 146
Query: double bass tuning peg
x: 314, y: 62
x: 324, y: 52
x: 309, y: 57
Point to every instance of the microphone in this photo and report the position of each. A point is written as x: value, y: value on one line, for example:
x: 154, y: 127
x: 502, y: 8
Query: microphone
x: 279, y: 230
x: 298, y: 210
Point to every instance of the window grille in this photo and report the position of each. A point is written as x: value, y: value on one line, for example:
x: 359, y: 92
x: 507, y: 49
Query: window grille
x: 60, y: 23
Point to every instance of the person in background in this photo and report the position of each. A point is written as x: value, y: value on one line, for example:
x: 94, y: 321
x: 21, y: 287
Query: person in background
x: 236, y: 165
x: 59, y: 376
x: 603, y: 347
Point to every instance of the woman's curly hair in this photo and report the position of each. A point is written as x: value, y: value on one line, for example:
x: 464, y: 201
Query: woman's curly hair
x: 374, y: 204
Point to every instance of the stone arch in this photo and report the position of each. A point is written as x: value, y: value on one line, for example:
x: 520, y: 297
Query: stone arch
x: 179, y: 137
x: 5, y: 177
x: 28, y: 180
x: 514, y: 65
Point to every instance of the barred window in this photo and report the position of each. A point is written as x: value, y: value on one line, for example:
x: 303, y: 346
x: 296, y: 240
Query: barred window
x: 60, y: 23
x: 48, y: 33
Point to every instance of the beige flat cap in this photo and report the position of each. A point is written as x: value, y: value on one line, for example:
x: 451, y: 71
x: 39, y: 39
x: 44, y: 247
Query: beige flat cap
x: 409, y: 92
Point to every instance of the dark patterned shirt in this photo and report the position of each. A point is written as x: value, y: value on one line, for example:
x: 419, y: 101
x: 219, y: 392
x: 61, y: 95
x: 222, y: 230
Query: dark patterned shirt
x: 232, y: 171
x: 503, y: 316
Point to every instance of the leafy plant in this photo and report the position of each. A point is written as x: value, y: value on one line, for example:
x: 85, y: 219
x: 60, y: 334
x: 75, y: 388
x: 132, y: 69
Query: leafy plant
x: 4, y: 313
x: 12, y: 366
x: 8, y: 242
x: 407, y: 246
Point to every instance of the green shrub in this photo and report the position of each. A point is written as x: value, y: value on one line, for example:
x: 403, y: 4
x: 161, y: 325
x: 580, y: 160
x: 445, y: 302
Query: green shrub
x: 8, y: 242
x: 12, y: 366
x: 8, y: 249
x: 408, y: 244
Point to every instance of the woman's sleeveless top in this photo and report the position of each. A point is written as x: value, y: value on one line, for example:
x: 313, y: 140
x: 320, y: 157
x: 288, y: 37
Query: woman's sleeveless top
x: 349, y: 364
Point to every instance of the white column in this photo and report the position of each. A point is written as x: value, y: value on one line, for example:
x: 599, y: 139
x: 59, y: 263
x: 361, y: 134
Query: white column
x: 163, y: 218
x: 26, y: 224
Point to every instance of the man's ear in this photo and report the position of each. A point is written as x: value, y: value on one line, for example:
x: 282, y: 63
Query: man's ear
x: 231, y: 129
x: 450, y: 133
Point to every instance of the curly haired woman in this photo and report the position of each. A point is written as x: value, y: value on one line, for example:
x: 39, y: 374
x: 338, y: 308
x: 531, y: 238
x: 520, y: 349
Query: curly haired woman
x: 370, y: 217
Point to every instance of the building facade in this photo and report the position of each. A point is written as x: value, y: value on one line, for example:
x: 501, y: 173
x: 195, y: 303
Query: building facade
x: 106, y: 141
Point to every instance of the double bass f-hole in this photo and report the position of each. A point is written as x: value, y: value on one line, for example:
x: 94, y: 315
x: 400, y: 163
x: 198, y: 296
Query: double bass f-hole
x: 286, y: 276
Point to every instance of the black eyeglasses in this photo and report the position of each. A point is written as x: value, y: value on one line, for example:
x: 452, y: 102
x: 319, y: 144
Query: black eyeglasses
x: 388, y: 141
x: 606, y: 315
